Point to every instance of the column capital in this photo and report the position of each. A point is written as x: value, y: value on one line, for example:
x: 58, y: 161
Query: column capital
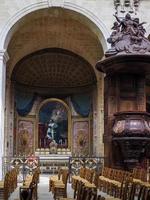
x: 4, y: 55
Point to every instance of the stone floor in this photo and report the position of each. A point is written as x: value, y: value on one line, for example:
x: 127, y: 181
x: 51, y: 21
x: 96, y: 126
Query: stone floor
x: 43, y: 193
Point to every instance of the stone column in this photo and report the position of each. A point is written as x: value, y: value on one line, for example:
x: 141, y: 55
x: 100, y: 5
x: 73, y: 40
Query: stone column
x: 3, y: 59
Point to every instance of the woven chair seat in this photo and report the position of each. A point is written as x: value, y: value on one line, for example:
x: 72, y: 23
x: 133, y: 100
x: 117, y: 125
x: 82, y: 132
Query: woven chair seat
x: 84, y: 181
x: 57, y: 182
x: 29, y: 177
x: 1, y: 184
x: 146, y: 184
x: 90, y: 185
x: 117, y: 183
x: 53, y: 178
x: 27, y: 182
x: 137, y: 180
x: 76, y: 177
x: 60, y: 186
x: 111, y: 198
x: 102, y: 177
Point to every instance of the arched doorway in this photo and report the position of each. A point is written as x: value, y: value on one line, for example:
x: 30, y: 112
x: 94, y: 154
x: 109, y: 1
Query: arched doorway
x: 63, y: 31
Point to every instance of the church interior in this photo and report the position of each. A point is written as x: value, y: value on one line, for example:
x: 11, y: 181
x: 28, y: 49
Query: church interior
x: 75, y: 102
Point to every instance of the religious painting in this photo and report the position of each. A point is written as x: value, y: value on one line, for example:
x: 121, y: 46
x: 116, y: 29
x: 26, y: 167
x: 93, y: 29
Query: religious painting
x: 81, y: 138
x: 53, y: 124
x: 25, y: 137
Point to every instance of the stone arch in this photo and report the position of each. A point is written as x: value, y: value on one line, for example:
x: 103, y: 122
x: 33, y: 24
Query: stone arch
x: 12, y: 23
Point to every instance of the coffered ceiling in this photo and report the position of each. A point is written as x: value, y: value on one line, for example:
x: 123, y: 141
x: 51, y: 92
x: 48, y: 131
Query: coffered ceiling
x: 54, y: 28
x: 53, y: 68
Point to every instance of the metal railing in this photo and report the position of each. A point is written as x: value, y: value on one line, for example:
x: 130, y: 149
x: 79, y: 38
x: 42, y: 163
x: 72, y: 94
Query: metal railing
x: 51, y: 164
x: 95, y: 163
x: 26, y: 165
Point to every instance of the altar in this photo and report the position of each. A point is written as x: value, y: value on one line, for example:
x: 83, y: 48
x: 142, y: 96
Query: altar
x: 50, y: 163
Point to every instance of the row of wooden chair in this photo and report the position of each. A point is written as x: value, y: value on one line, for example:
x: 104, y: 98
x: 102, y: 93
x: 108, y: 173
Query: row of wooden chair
x: 132, y: 191
x: 29, y: 189
x: 111, y: 180
x: 9, y: 184
x: 124, y: 185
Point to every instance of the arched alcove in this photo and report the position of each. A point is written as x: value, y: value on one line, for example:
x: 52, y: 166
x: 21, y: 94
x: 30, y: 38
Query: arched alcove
x: 58, y: 61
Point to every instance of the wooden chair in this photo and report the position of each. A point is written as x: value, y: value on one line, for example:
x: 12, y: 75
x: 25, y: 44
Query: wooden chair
x: 89, y: 175
x: 60, y: 187
x: 54, y: 178
x: 79, y: 177
x: 125, y: 191
x: 29, y: 189
x: 82, y: 193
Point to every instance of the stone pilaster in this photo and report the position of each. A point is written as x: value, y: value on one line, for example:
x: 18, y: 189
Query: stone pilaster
x: 100, y: 116
x: 3, y: 59
x: 9, y: 118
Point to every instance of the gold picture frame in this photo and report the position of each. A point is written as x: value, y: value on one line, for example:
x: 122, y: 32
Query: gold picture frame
x: 69, y: 120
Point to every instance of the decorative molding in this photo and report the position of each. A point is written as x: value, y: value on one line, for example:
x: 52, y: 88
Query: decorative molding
x: 9, y: 27
x: 54, y: 3
x: 4, y: 55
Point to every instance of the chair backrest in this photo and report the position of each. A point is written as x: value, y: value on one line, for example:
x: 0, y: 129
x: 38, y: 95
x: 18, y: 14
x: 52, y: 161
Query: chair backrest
x: 96, y: 179
x: 60, y: 171
x: 139, y: 173
x: 82, y: 172
x: 89, y: 175
x: 65, y: 175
